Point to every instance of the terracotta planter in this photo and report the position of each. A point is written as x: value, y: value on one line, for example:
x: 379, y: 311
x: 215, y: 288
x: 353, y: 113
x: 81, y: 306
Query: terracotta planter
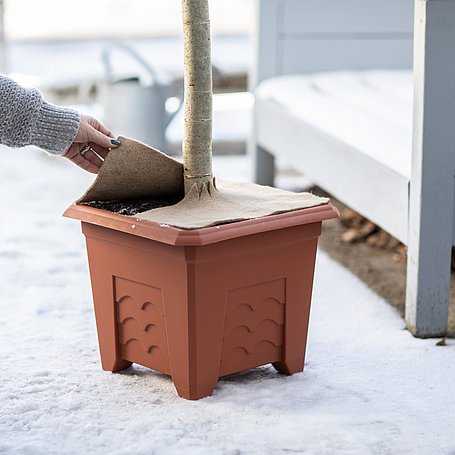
x: 201, y: 304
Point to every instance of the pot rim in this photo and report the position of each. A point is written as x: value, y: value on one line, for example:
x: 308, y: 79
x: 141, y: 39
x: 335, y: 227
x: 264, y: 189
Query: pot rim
x: 202, y: 236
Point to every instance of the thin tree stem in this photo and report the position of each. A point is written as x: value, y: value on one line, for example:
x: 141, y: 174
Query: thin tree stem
x: 197, y: 138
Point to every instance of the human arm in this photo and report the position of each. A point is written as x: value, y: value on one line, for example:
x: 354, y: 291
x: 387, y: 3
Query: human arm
x: 27, y: 119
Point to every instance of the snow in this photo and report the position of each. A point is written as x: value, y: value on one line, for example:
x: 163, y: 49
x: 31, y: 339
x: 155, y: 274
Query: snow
x: 369, y: 387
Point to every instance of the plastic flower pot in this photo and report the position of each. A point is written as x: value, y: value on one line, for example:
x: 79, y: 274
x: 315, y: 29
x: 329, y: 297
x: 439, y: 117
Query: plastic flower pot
x: 201, y: 304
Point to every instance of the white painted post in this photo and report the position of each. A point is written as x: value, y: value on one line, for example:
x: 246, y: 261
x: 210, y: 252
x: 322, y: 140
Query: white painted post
x: 2, y: 39
x: 265, y: 61
x: 433, y: 169
x: 265, y: 65
x: 264, y: 166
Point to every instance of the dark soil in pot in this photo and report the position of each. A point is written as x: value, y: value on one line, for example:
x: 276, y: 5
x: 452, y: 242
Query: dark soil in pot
x: 131, y: 207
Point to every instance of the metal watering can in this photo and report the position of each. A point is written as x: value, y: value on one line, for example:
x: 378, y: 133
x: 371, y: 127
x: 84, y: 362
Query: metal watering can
x: 136, y: 106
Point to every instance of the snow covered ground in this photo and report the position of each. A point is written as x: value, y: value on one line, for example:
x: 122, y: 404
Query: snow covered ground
x: 369, y: 387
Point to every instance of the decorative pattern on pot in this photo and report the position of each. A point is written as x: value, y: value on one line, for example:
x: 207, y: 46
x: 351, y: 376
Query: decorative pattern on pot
x: 253, y: 329
x: 141, y: 324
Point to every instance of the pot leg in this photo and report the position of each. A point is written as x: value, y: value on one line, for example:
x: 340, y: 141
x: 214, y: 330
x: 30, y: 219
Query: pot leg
x: 194, y: 324
x: 114, y: 365
x: 191, y: 380
x: 195, y: 393
x: 105, y: 310
x: 299, y: 286
x: 290, y: 366
x: 106, y: 324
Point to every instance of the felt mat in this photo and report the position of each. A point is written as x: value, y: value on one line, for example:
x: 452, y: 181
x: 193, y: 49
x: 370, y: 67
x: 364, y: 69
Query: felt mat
x: 134, y: 170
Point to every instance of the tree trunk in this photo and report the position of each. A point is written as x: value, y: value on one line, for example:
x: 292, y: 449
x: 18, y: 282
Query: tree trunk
x: 197, y: 138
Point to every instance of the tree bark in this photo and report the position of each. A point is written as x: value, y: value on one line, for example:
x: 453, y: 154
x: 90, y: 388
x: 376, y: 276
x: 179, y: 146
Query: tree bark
x: 197, y: 138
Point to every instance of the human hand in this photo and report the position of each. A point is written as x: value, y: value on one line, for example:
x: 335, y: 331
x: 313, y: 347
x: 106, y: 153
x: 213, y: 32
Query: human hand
x: 91, y: 145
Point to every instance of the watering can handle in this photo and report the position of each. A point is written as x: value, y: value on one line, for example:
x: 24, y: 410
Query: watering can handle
x: 106, y: 58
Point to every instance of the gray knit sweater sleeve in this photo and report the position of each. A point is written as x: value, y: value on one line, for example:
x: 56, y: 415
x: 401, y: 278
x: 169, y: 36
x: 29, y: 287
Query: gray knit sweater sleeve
x: 26, y: 119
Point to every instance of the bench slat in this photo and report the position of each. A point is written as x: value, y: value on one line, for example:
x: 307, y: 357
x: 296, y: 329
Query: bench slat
x: 373, y: 189
x: 364, y: 121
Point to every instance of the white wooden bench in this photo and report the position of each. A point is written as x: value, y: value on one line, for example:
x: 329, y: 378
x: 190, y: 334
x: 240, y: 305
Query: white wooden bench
x: 336, y: 97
